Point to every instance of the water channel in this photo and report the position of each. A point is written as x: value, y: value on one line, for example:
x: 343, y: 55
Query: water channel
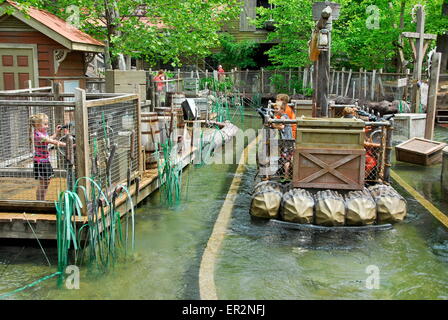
x: 256, y: 260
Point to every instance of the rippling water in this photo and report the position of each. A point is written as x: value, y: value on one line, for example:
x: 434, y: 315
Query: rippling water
x: 257, y: 261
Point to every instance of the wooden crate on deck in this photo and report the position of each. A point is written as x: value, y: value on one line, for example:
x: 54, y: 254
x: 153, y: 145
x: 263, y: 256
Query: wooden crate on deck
x: 330, y: 133
x: 303, y: 108
x: 420, y: 151
x: 329, y: 168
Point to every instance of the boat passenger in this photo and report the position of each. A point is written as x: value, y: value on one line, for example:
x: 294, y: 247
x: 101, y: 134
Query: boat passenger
x: 284, y: 99
x: 371, y: 147
x: 42, y: 169
x: 285, y: 131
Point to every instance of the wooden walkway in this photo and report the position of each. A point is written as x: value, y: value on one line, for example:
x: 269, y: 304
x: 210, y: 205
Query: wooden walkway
x: 17, y: 225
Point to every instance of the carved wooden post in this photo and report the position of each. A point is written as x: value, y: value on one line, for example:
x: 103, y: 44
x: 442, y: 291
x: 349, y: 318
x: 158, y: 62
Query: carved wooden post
x: 432, y: 95
x: 82, y: 144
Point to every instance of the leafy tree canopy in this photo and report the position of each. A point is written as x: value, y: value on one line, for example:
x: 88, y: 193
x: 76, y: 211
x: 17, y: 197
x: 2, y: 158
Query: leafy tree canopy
x: 164, y: 30
x: 354, y: 44
x: 235, y: 54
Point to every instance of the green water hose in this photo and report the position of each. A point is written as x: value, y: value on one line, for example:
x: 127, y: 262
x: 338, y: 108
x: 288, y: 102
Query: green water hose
x: 8, y: 294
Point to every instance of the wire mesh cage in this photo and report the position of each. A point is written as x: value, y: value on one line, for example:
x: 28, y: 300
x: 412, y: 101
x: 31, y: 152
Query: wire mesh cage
x: 113, y: 140
x: 276, y: 155
x: 31, y: 167
x: 39, y: 156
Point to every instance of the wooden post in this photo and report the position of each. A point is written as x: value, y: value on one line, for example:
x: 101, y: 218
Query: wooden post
x: 432, y: 95
x: 82, y: 144
x: 337, y: 82
x: 365, y: 84
x: 262, y: 80
x: 289, y: 81
x: 332, y: 81
x: 141, y: 162
x: 380, y: 82
x: 305, y: 79
x: 388, y: 154
x: 419, y: 44
x: 406, y: 90
x: 360, y: 84
x: 322, y: 83
x: 372, y: 86
x: 342, y: 81
x: 348, y: 82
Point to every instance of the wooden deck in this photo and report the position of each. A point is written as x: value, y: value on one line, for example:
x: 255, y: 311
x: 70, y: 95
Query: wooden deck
x: 17, y: 225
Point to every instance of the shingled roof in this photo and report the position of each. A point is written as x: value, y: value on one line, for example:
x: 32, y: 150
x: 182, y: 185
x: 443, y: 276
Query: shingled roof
x: 56, y: 28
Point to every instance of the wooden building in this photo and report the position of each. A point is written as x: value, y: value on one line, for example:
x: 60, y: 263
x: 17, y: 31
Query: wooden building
x: 41, y: 47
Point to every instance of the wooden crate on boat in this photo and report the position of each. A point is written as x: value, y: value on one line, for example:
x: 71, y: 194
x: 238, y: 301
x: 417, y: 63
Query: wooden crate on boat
x: 303, y: 108
x: 329, y: 168
x: 420, y: 151
x: 330, y: 133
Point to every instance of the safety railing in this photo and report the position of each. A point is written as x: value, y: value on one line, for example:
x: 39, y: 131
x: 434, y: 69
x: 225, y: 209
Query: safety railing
x: 99, y: 137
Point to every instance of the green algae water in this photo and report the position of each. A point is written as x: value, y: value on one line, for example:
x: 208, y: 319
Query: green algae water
x: 257, y: 261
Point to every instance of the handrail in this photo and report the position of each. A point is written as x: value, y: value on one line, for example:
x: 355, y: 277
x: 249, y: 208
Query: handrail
x: 112, y: 100
x: 25, y: 90
x: 10, y: 103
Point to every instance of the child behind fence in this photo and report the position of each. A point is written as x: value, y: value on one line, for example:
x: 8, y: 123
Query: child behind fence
x: 286, y: 134
x: 42, y: 168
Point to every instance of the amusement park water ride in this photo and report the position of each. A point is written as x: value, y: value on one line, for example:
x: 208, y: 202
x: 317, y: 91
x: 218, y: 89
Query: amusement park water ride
x: 335, y: 174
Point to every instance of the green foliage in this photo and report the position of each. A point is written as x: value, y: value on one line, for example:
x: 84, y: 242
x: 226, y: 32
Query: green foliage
x: 170, y: 30
x: 282, y: 84
x: 354, y: 45
x: 225, y: 85
x: 235, y: 53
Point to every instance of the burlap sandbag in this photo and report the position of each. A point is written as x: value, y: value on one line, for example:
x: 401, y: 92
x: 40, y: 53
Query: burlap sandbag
x: 391, y: 207
x: 330, y: 208
x: 266, y: 202
x: 360, y: 208
x: 272, y: 184
x: 297, y: 206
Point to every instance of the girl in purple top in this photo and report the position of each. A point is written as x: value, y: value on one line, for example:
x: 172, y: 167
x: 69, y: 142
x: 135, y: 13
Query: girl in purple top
x: 41, y: 160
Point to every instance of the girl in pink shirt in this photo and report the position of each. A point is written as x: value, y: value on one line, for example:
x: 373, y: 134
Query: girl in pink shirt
x: 42, y: 168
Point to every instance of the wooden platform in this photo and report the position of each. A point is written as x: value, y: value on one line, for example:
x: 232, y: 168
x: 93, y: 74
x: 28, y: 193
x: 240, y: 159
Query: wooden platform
x: 25, y: 188
x: 17, y: 225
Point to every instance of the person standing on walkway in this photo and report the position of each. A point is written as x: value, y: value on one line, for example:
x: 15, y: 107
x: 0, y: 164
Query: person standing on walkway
x: 160, y: 86
x: 221, y: 73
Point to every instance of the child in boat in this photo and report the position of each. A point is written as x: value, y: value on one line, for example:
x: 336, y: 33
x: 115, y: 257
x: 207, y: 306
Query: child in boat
x: 371, y: 147
x: 285, y: 131
x: 284, y: 99
x: 42, y: 168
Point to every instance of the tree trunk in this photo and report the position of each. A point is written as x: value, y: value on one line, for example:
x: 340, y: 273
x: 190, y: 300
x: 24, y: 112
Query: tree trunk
x: 442, y: 42
x: 112, y: 18
x: 399, y: 58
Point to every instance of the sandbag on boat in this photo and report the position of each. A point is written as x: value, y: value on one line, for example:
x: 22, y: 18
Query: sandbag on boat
x: 297, y: 206
x: 390, y: 205
x: 266, y: 202
x: 360, y: 208
x: 330, y: 208
x: 272, y: 184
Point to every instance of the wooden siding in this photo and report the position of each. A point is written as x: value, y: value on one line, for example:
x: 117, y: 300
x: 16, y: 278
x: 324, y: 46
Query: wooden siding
x: 248, y: 13
x: 73, y: 65
x: 13, y: 24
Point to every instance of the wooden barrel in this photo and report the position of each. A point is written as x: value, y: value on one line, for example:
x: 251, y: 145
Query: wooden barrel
x: 150, y: 136
x: 174, y: 99
x: 165, y: 125
x: 178, y: 98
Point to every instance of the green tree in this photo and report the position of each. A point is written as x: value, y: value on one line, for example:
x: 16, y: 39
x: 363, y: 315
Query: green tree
x: 354, y: 43
x: 166, y: 30
x: 235, y: 54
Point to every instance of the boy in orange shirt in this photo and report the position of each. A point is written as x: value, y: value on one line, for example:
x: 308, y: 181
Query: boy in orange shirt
x: 284, y: 99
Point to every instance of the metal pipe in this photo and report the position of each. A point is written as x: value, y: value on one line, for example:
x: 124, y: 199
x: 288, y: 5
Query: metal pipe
x: 387, y: 160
